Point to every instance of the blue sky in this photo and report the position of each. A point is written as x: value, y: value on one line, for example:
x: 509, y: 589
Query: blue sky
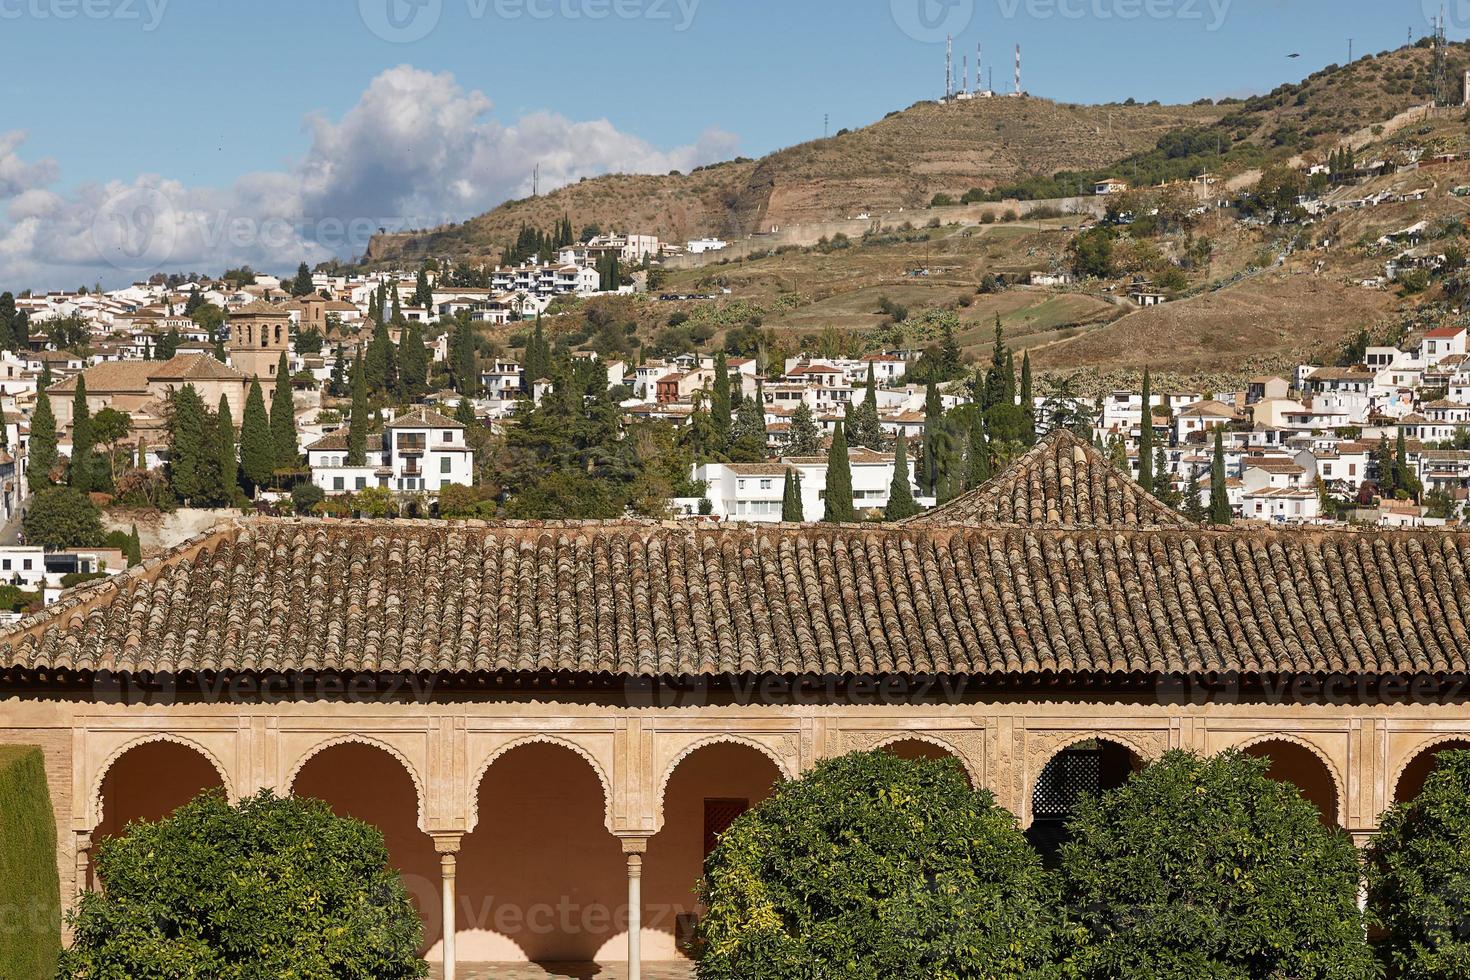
x: 231, y: 103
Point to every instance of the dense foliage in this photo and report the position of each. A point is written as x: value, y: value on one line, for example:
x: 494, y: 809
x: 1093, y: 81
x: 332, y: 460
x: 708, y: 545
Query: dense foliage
x: 269, y: 888
x: 61, y: 517
x: 30, y: 892
x: 874, y: 868
x: 1207, y: 868
x: 1419, y: 877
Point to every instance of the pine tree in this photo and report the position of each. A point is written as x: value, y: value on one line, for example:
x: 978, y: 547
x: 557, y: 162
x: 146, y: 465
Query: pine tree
x: 357, y: 425
x: 900, y: 492
x: 226, y: 459
x: 720, y: 405
x: 806, y: 438
x: 41, y: 450
x: 1028, y: 404
x: 301, y: 285
x: 839, y: 508
x: 284, y: 445
x: 257, y: 448
x: 1146, y: 439
x: 85, y: 471
x: 187, y: 441
x: 791, y: 510
x: 1219, y: 495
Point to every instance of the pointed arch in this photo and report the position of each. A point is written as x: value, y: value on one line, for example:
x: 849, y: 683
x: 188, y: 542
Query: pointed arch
x: 473, y: 792
x: 370, y: 742
x: 95, y: 804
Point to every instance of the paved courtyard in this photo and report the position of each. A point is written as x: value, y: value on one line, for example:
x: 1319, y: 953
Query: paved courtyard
x: 565, y: 971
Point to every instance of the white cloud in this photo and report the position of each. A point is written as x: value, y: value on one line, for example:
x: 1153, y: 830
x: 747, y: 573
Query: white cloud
x: 415, y: 151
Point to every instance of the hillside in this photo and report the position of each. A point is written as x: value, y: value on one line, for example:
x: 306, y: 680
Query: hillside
x: 901, y: 161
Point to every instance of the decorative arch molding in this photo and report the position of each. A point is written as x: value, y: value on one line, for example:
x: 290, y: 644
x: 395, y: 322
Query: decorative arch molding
x: 1339, y: 788
x: 786, y: 767
x: 972, y: 766
x: 1042, y: 746
x: 1418, y: 751
x: 94, y: 795
x: 289, y: 784
x: 473, y: 790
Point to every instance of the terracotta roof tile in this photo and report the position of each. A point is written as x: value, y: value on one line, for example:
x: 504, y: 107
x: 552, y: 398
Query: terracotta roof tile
x: 643, y: 598
x: 1061, y: 481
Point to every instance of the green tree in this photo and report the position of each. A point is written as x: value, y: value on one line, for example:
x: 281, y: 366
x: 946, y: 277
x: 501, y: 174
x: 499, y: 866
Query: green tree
x: 109, y: 428
x: 85, y: 471
x: 423, y: 293
x: 1208, y: 868
x: 720, y: 405
x: 748, y: 432
x: 994, y: 389
x: 806, y: 438
x: 189, y: 437
x: 1219, y: 494
x: 978, y: 451
x: 1027, y: 402
x: 900, y: 492
x: 872, y: 867
x: 1193, y: 506
x: 63, y: 517
x: 382, y: 375
x: 869, y: 427
x: 838, y: 495
x: 792, y: 511
x: 285, y: 449
x: 270, y: 887
x: 301, y: 285
x: 413, y: 363
x: 257, y: 448
x: 41, y: 450
x: 1418, y: 870
x: 135, y: 547
x: 1146, y: 439
x: 226, y: 459
x: 29, y: 885
x: 357, y: 424
x: 306, y: 495
x: 1405, y: 479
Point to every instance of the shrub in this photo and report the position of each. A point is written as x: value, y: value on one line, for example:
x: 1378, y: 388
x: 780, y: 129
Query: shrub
x: 1419, y: 877
x: 269, y: 888
x: 305, y: 497
x: 873, y: 867
x: 1207, y: 868
x: 60, y: 517
x: 29, y: 889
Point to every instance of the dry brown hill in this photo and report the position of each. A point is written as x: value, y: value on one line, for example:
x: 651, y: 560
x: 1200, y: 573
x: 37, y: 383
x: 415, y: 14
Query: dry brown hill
x: 901, y: 161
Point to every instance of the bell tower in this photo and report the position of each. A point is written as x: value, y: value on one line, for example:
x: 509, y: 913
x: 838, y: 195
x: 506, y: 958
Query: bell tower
x: 259, y: 333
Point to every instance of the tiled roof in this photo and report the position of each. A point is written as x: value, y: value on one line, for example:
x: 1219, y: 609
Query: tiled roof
x: 1061, y: 481
x: 642, y: 598
x: 260, y: 308
x: 422, y: 417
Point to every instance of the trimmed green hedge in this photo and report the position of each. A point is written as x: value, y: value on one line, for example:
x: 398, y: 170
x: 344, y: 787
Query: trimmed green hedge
x: 30, y: 892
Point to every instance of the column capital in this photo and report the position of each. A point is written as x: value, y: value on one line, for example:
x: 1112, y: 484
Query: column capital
x: 447, y: 843
x: 634, y: 845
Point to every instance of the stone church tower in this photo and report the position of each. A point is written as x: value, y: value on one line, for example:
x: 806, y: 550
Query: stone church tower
x: 258, y: 334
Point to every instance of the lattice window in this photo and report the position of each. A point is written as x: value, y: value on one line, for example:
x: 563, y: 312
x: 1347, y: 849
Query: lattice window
x: 1067, y: 778
x: 718, y: 816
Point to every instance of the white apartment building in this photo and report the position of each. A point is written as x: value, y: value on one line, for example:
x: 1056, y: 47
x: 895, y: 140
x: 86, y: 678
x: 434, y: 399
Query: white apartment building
x: 420, y: 451
x: 754, y: 491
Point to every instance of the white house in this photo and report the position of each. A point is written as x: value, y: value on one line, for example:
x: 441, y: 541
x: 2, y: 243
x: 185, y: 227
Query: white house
x: 419, y: 451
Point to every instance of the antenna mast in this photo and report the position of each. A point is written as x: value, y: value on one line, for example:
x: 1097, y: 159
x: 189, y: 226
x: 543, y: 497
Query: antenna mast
x: 1018, y: 69
x: 948, y: 68
x: 1441, y: 69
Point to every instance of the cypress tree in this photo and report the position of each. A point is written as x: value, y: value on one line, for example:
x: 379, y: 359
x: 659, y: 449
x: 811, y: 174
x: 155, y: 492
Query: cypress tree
x: 41, y: 450
x: 1219, y: 496
x: 1028, y: 404
x: 257, y: 449
x: 806, y: 438
x: 357, y: 426
x: 791, y: 509
x: 1387, y: 470
x: 869, y: 427
x: 45, y: 374
x: 380, y: 373
x: 85, y: 466
x: 187, y: 463
x: 994, y: 391
x: 900, y: 492
x: 719, y: 405
x: 422, y: 294
x: 1193, y: 507
x: 1009, y: 393
x: 979, y: 458
x: 283, y: 420
x: 464, y: 414
x: 135, y: 548
x: 142, y: 453
x: 933, y: 419
x: 339, y: 374
x: 1146, y: 439
x: 226, y: 459
x: 839, y: 482
x: 1404, y: 478
x: 413, y: 363
x: 397, y: 304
